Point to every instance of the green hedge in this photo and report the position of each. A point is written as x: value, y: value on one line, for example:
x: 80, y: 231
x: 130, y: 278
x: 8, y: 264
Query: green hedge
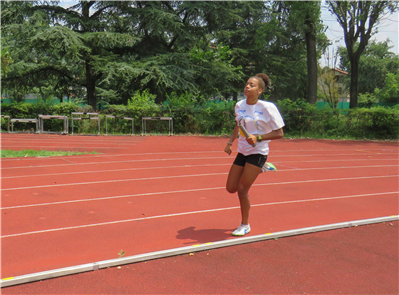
x: 305, y: 120
x: 195, y: 115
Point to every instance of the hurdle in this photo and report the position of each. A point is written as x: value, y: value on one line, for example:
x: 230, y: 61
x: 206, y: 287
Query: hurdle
x: 45, y: 117
x: 145, y: 119
x: 8, y: 121
x: 116, y: 117
x: 31, y: 120
x: 91, y: 116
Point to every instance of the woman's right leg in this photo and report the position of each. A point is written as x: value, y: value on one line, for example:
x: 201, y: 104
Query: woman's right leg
x: 240, y: 180
x: 234, y: 178
x: 234, y: 186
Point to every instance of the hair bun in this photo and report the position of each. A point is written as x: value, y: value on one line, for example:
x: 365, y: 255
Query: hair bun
x: 264, y: 77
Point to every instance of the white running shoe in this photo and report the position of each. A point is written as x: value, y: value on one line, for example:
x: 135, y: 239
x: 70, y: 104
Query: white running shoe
x: 242, y: 230
x: 268, y: 167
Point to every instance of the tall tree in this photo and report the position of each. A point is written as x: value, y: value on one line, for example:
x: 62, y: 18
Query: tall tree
x: 265, y: 37
x: 236, y: 24
x: 376, y: 62
x: 114, y: 48
x: 301, y: 19
x: 310, y: 37
x: 175, y: 50
x: 81, y: 39
x: 358, y: 20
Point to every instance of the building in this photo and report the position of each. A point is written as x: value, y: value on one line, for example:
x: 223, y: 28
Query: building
x: 332, y: 82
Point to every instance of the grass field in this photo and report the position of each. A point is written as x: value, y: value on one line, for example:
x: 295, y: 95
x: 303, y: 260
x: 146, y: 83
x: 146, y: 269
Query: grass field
x: 42, y: 153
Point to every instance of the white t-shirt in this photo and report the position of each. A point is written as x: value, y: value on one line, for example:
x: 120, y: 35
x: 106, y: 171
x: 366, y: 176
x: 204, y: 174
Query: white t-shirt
x: 260, y: 118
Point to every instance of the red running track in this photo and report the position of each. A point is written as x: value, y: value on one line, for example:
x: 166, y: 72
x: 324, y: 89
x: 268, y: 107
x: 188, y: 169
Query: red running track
x: 146, y: 194
x: 356, y: 260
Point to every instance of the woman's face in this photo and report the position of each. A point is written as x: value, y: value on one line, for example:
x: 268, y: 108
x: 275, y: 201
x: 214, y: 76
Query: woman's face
x: 252, y: 88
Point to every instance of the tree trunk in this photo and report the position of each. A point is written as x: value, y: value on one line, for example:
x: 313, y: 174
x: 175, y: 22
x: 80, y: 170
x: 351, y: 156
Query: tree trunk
x: 354, y: 87
x: 160, y: 97
x: 90, y: 75
x: 310, y: 37
x: 90, y: 86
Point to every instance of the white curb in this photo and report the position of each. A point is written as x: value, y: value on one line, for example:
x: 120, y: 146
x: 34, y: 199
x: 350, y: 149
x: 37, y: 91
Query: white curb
x: 183, y: 250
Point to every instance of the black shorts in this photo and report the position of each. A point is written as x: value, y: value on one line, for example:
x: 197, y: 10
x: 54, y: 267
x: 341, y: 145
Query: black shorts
x: 256, y: 159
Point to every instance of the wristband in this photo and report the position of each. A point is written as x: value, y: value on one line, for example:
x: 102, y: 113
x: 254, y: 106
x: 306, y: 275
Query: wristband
x: 259, y: 138
x: 229, y: 143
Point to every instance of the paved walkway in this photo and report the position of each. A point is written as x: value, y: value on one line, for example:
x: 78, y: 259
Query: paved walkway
x: 357, y: 260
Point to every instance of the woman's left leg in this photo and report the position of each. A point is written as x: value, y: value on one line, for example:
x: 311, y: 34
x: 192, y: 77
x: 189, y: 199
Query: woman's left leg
x: 248, y: 177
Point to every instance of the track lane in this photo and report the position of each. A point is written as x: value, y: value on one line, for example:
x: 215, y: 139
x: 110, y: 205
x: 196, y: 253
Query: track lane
x: 49, y: 250
x: 113, y: 208
x: 53, y: 218
x: 157, y: 185
x: 45, y: 250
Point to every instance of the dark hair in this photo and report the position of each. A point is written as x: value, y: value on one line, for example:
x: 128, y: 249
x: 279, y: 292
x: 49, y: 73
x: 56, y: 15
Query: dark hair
x: 263, y: 79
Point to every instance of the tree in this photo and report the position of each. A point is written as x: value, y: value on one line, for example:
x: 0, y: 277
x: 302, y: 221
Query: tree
x: 260, y: 40
x: 236, y: 24
x: 5, y: 62
x: 304, y: 17
x: 358, y: 20
x: 70, y: 52
x: 376, y: 62
x: 390, y: 92
x: 113, y: 48
x: 293, y: 39
x: 310, y: 37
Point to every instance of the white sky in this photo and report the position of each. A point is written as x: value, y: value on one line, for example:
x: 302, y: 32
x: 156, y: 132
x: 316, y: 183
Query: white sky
x: 387, y: 29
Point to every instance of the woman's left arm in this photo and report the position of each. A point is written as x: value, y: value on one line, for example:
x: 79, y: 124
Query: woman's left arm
x: 275, y: 134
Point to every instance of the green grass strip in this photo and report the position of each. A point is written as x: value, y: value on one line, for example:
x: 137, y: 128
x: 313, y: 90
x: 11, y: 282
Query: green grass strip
x: 42, y: 153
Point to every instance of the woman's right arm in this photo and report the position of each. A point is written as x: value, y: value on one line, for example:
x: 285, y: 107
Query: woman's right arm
x: 232, y: 138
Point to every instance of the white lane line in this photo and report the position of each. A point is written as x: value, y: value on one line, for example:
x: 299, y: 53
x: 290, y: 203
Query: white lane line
x: 112, y: 162
x: 68, y: 141
x: 115, y: 170
x: 62, y: 143
x: 102, y: 155
x: 188, y: 166
x: 185, y: 191
x: 116, y: 140
x: 65, y: 147
x: 113, y: 155
x: 275, y: 159
x: 130, y: 179
x: 109, y: 181
x: 191, y: 212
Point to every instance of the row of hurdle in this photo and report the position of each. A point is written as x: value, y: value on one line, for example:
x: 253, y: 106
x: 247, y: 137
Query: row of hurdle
x: 79, y: 116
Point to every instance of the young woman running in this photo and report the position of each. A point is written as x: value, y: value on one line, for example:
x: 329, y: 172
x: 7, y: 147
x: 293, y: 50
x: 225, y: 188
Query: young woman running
x: 264, y: 123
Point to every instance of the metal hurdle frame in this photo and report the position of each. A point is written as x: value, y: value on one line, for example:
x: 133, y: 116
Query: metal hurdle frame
x: 31, y: 120
x: 8, y: 121
x: 116, y: 117
x: 44, y: 117
x: 86, y: 118
x: 145, y: 119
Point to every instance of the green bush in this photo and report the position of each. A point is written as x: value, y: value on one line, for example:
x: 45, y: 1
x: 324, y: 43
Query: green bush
x: 194, y: 114
x: 303, y: 119
x: 374, y: 123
